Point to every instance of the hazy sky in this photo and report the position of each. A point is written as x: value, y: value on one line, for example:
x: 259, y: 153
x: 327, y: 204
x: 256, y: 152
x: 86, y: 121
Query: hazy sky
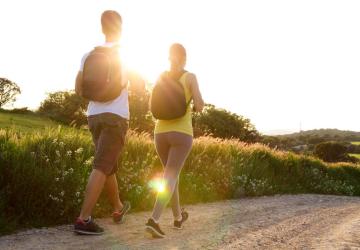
x: 279, y: 63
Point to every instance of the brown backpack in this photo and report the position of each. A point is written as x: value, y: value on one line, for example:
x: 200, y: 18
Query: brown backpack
x: 168, y: 99
x: 102, y: 75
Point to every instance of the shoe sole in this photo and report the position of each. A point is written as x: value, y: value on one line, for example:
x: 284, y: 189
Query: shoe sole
x: 154, y: 233
x: 81, y: 232
x: 122, y: 219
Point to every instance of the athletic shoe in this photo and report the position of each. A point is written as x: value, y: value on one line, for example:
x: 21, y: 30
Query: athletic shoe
x: 154, y: 229
x: 87, y: 228
x: 184, y: 217
x: 118, y: 217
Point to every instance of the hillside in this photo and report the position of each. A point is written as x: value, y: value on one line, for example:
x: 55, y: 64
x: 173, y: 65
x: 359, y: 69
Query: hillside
x: 24, y: 122
x: 330, y: 134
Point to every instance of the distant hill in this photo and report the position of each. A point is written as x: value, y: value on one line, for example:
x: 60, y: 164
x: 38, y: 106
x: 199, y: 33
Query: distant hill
x: 277, y: 132
x: 334, y: 134
x: 308, y: 139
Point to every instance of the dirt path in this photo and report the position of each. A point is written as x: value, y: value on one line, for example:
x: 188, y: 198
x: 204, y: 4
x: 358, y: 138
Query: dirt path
x: 277, y: 222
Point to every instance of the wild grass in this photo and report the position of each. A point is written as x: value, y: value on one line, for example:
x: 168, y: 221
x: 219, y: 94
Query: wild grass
x: 43, y: 174
x: 355, y: 155
x: 24, y: 122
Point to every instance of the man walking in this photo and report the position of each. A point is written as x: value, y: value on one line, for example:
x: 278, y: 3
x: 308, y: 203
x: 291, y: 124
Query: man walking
x: 103, y: 81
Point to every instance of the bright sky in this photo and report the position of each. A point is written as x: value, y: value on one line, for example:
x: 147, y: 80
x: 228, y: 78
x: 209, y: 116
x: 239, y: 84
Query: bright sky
x: 279, y: 63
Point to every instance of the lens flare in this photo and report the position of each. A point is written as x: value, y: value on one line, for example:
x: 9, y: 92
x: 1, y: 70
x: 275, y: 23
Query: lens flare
x: 158, y: 184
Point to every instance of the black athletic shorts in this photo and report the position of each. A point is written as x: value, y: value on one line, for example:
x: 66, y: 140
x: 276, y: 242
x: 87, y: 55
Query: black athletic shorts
x: 108, y: 132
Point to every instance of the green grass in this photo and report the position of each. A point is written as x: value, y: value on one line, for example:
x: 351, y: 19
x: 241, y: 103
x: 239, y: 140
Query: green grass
x: 44, y: 171
x: 24, y: 122
x: 355, y: 155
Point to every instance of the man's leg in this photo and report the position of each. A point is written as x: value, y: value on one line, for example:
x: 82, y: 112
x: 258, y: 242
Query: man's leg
x: 112, y: 190
x: 92, y: 193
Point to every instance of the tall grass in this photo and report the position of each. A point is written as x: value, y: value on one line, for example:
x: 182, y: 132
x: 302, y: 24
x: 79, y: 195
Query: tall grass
x: 43, y: 174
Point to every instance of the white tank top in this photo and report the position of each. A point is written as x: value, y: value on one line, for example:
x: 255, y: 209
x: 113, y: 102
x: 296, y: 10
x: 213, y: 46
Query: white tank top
x: 118, y: 106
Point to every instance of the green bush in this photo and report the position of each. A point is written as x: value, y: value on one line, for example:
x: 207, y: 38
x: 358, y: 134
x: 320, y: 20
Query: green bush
x: 221, y: 123
x: 331, y: 151
x: 43, y: 174
x: 22, y: 111
x: 65, y: 107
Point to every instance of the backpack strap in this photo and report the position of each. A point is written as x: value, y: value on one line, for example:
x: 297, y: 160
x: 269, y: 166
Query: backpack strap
x: 188, y: 103
x: 167, y: 73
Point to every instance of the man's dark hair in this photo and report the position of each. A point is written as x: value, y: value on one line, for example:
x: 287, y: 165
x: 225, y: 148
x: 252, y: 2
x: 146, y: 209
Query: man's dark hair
x: 111, y: 22
x: 177, y: 50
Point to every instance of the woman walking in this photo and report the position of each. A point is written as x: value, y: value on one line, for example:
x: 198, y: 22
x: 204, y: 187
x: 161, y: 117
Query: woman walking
x: 173, y: 142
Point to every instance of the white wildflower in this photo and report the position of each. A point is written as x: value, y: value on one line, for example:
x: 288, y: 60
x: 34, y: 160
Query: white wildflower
x: 89, y: 161
x: 79, y: 150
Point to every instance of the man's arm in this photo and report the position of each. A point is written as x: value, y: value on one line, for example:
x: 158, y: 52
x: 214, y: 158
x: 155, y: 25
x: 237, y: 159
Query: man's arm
x: 78, y: 83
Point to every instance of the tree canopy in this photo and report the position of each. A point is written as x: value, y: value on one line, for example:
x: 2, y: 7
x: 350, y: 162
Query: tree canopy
x: 8, y: 91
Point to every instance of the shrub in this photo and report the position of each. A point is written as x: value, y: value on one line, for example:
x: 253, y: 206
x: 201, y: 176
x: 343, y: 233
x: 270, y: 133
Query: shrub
x: 331, y: 151
x: 221, y: 123
x: 43, y: 174
x: 65, y: 107
x: 22, y: 111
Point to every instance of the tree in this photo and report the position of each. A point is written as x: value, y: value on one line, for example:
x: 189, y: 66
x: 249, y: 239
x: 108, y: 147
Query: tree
x: 65, y: 107
x: 8, y: 91
x: 69, y: 108
x: 140, y: 116
x: 224, y: 124
x: 331, y: 151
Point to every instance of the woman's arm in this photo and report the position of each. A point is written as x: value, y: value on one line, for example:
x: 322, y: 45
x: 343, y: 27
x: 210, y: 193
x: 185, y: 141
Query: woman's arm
x: 196, y: 94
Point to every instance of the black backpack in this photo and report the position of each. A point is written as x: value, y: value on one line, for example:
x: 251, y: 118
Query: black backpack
x: 102, y: 75
x: 168, y: 99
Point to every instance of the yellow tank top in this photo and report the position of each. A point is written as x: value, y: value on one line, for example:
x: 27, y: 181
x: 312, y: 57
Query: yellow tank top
x: 182, y: 124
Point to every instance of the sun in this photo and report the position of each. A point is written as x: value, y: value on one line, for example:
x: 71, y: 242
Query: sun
x: 149, y: 62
